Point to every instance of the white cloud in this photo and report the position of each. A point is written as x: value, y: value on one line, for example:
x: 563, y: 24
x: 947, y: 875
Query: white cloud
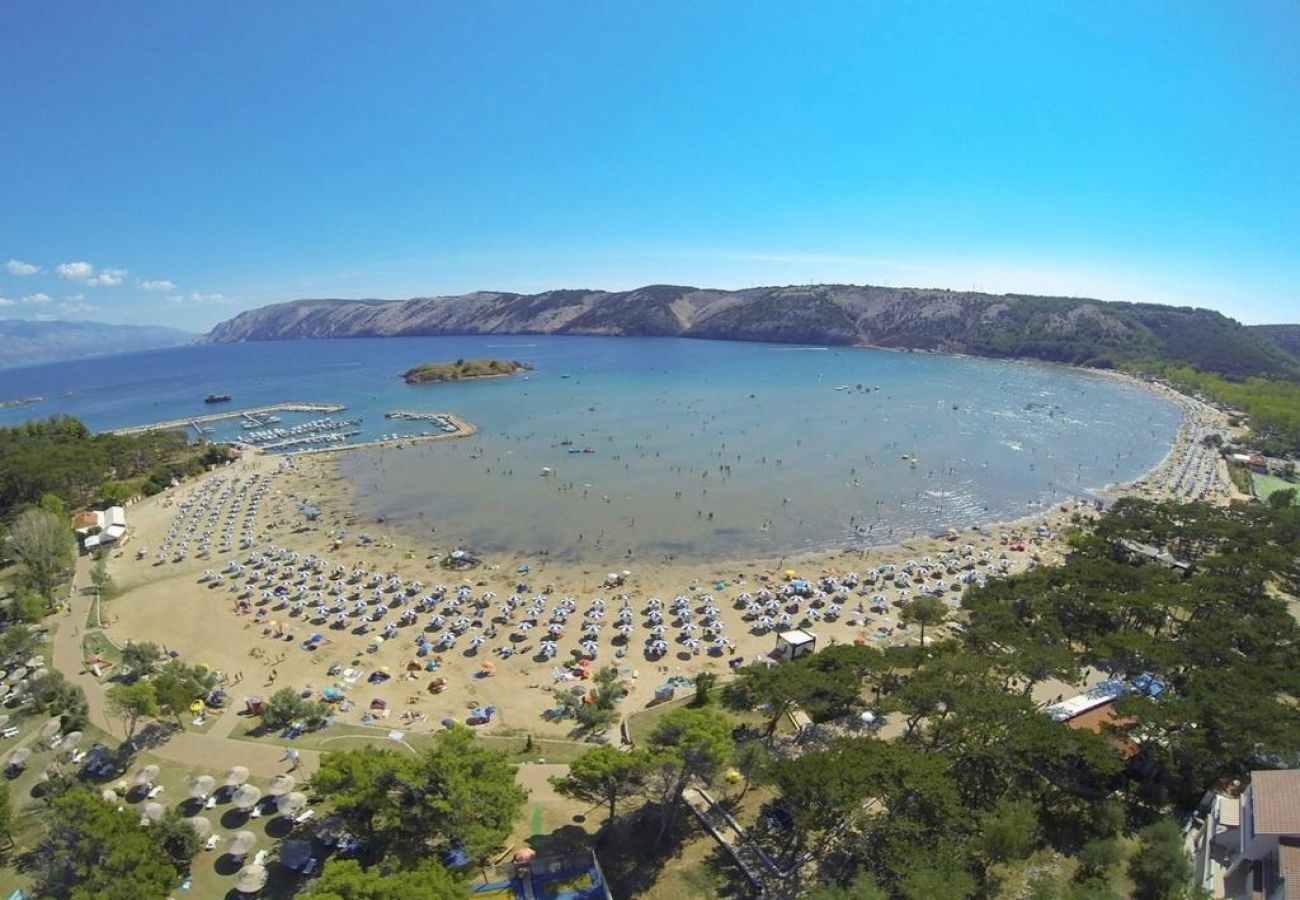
x: 5, y: 301
x: 161, y: 284
x: 200, y: 299
x: 18, y: 267
x: 84, y: 273
x: 76, y: 309
x: 76, y: 271
x: 37, y: 299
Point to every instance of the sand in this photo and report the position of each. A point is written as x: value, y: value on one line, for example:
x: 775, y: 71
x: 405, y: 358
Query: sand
x: 167, y: 603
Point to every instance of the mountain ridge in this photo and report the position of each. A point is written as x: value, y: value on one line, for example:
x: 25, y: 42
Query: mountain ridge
x: 26, y: 342
x: 1074, y: 330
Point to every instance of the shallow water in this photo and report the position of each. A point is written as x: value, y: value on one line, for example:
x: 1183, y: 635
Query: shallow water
x: 700, y: 448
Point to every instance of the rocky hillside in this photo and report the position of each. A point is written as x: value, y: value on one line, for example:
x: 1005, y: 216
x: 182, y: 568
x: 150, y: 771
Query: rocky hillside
x: 1059, y: 329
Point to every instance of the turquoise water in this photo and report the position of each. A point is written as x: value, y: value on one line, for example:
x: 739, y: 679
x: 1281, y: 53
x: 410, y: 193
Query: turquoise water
x: 701, y: 448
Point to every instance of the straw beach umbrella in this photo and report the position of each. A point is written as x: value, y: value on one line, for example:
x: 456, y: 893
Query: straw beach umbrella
x: 251, y: 879
x: 241, y: 842
x: 235, y: 776
x: 146, y: 775
x: 291, y: 803
x: 247, y: 796
x: 153, y: 812
x: 200, y: 786
x: 202, y: 826
x: 281, y: 785
x: 51, y: 728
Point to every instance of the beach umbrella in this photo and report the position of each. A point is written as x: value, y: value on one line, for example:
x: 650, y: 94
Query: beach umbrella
x: 247, y: 796
x: 70, y: 741
x: 51, y: 728
x: 291, y: 803
x: 281, y: 785
x: 146, y: 775
x: 108, y: 795
x: 295, y: 853
x: 236, y: 775
x: 589, y: 647
x: 199, y: 786
x: 241, y: 842
x: 153, y: 811
x: 251, y: 879
x: 202, y: 827
x: 17, y: 674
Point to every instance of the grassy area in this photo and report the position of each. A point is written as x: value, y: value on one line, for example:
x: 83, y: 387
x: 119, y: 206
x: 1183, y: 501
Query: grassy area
x: 96, y: 642
x: 543, y: 749
x: 640, y: 724
x: 1267, y: 485
x: 1240, y: 476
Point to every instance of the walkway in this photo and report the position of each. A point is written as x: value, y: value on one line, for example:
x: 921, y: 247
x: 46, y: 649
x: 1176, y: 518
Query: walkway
x: 769, y: 879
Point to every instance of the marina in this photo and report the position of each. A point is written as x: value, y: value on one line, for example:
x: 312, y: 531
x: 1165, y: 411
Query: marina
x: 196, y: 421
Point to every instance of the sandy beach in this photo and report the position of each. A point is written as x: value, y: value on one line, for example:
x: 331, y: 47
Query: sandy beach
x: 297, y: 518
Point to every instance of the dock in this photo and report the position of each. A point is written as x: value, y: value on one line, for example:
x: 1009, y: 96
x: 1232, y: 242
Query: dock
x: 463, y: 429
x: 196, y: 422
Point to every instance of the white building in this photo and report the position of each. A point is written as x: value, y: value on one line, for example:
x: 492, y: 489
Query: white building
x: 108, y: 527
x: 1249, y: 847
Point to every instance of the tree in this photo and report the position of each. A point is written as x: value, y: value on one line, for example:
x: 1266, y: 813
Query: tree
x: 138, y: 658
x: 461, y: 793
x: 456, y: 792
x: 704, y: 683
x: 862, y: 887
x: 131, y: 703
x: 924, y: 611
x: 99, y: 577
x: 687, y: 745
x: 116, y: 493
x: 177, y: 840
x: 17, y: 642
x: 287, y: 706
x: 6, y: 816
x: 42, y: 542
x: 603, y: 775
x: 177, y: 685
x: 345, y: 879
x: 779, y: 689
x: 1159, y: 867
x: 1282, y: 499
x: 1098, y: 857
x: 92, y: 851
x: 54, y: 695
x: 1008, y: 831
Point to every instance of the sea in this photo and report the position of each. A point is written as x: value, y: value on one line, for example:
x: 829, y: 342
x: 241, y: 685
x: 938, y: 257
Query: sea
x: 624, y: 449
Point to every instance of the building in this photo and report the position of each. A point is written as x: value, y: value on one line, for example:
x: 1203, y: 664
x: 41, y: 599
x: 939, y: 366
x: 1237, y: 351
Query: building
x: 1139, y: 553
x: 1248, y: 847
x: 792, y: 645
x: 100, y: 528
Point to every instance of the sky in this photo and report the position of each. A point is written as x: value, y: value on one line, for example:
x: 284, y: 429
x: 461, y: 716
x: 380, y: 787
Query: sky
x: 176, y: 163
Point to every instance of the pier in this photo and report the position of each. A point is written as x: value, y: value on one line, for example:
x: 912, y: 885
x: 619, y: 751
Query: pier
x: 196, y: 422
x: 462, y: 428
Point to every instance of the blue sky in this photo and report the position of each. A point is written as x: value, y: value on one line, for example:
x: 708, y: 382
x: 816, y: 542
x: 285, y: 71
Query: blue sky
x: 184, y: 161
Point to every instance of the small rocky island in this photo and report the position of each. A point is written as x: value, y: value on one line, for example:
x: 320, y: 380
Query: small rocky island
x: 463, y: 370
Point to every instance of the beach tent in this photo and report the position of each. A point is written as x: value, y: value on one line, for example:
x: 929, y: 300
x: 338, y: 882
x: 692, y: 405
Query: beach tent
x: 795, y: 644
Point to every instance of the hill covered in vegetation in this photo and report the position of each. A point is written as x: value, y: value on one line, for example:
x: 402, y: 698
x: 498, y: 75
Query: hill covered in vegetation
x: 25, y: 343
x: 462, y: 370
x: 1057, y: 329
x: 1285, y: 336
x: 59, y: 457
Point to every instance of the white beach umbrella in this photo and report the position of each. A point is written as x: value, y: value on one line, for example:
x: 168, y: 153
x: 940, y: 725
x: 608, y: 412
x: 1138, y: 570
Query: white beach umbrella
x: 235, y: 776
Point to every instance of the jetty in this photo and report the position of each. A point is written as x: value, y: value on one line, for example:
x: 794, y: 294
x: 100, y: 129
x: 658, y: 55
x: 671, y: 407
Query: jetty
x: 456, y: 427
x: 196, y: 422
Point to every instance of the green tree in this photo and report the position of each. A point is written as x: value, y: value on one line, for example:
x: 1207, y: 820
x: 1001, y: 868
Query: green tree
x: 1159, y: 867
x: 604, y: 775
x: 924, y: 611
x: 42, y: 543
x: 687, y: 745
x: 116, y: 493
x: 345, y: 879
x: 1098, y: 857
x: 6, y: 817
x: 1282, y: 499
x: 454, y: 792
x: 92, y: 852
x: 778, y: 690
x: 1008, y: 831
x: 54, y: 695
x: 287, y: 706
x: 139, y: 657
x: 131, y: 703
x: 704, y: 683
x: 177, y: 840
x: 177, y: 685
x: 862, y: 887
x: 17, y: 643
x: 99, y: 576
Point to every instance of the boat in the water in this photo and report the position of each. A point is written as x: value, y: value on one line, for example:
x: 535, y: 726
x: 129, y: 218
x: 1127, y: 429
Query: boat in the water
x: 217, y: 398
